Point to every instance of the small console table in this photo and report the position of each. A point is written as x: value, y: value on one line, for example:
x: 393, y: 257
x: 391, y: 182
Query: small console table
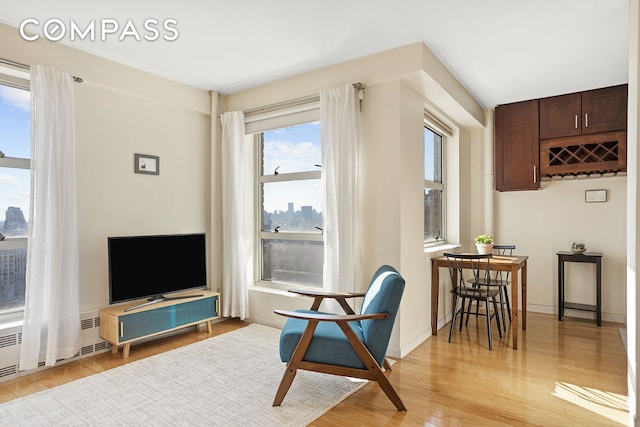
x: 589, y: 257
x: 121, y: 325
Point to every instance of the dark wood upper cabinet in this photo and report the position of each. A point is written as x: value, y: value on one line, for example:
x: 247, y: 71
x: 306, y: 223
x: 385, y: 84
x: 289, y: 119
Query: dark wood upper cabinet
x: 604, y: 110
x: 560, y: 116
x: 517, y: 160
x: 577, y: 133
x: 593, y: 111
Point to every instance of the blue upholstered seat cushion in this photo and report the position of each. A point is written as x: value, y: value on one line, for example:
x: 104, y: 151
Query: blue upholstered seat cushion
x: 329, y: 344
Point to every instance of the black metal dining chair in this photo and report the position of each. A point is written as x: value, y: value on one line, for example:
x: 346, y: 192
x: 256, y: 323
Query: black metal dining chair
x: 501, y: 281
x: 470, y: 289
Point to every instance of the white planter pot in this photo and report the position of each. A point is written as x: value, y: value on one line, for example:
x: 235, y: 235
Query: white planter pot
x: 484, y: 248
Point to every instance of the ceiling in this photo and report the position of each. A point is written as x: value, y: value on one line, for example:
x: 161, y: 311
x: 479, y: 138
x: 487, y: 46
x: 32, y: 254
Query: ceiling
x: 500, y: 50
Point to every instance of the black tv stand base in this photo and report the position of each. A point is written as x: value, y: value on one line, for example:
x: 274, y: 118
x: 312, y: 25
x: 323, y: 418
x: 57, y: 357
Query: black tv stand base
x: 159, y: 298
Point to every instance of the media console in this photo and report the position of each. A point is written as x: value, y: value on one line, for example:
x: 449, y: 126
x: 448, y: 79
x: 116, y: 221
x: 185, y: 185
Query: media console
x: 120, y: 325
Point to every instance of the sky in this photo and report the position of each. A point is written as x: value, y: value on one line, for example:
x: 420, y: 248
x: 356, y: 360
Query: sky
x: 429, y: 144
x: 292, y: 149
x: 15, y: 141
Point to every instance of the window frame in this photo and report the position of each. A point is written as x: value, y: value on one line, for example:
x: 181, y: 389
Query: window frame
x: 17, y: 79
x: 312, y: 115
x: 428, y: 125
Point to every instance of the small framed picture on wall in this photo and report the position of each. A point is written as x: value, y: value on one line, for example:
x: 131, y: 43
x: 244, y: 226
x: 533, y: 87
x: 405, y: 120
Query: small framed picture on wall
x: 147, y: 164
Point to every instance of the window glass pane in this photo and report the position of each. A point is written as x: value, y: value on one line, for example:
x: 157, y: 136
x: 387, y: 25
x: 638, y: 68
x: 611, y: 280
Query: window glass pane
x: 292, y: 149
x: 13, y: 267
x: 15, y: 125
x: 432, y: 156
x: 432, y: 215
x: 15, y: 181
x: 292, y: 206
x: 14, y: 201
x: 292, y: 261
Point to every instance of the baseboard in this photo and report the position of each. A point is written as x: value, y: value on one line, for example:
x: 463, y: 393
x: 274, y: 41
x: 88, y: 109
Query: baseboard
x: 545, y: 309
x: 265, y: 321
x: 406, y: 348
x: 444, y: 320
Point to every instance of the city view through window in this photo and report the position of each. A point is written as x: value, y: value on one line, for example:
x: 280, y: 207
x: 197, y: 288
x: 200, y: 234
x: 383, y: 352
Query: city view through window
x: 292, y: 250
x: 15, y: 177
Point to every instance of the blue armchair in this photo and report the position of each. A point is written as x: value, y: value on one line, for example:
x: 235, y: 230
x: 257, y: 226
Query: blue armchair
x: 347, y: 344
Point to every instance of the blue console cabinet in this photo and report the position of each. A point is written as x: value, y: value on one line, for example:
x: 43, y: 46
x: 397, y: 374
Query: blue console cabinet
x: 122, y: 325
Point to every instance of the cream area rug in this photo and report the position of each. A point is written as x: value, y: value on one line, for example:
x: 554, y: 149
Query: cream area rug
x: 227, y: 380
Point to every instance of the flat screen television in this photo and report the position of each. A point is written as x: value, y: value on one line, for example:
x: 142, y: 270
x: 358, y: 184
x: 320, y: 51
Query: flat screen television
x: 153, y: 267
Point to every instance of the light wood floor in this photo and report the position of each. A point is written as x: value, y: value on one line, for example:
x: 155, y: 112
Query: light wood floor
x: 563, y: 374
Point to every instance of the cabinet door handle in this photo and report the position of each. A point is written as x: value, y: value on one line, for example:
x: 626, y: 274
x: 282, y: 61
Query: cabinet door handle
x: 121, y: 329
x: 586, y: 120
x: 576, y: 124
x: 535, y: 175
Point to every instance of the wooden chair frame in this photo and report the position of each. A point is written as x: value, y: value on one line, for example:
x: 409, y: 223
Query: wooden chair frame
x: 372, y: 370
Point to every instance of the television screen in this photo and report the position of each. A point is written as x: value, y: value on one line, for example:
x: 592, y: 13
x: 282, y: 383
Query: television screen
x: 150, y: 266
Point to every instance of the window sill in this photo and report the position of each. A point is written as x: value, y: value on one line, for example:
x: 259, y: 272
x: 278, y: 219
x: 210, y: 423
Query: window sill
x: 6, y: 324
x: 10, y: 243
x: 437, y: 250
x: 269, y: 290
x: 281, y: 291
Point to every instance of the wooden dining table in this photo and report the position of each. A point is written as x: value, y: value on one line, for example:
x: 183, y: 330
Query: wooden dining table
x: 512, y: 264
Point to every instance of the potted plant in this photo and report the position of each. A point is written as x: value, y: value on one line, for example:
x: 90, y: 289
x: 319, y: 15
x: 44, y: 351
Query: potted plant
x: 484, y: 244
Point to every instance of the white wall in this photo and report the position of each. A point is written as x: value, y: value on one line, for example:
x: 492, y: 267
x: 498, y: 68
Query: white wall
x: 119, y: 112
x: 541, y: 223
x: 394, y: 194
x: 112, y: 200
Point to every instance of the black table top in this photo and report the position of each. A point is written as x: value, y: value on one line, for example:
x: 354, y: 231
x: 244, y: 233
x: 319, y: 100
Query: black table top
x: 589, y: 254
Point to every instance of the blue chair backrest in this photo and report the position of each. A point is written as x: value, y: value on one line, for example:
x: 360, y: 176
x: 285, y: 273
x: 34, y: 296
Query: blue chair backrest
x: 383, y: 296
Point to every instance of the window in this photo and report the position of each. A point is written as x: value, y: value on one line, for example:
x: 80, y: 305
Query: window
x: 15, y: 178
x: 291, y: 248
x: 434, y: 189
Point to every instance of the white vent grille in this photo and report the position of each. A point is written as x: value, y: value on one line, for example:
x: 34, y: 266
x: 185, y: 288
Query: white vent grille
x: 10, y: 343
x: 86, y: 324
x: 8, y: 340
x: 8, y: 370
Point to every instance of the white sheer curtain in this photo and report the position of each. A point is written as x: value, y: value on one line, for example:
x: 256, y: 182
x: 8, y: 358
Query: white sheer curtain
x: 339, y: 121
x: 51, y: 313
x: 237, y: 217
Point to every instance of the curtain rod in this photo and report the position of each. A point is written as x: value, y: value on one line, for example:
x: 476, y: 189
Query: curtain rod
x: 358, y: 87
x: 27, y: 67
